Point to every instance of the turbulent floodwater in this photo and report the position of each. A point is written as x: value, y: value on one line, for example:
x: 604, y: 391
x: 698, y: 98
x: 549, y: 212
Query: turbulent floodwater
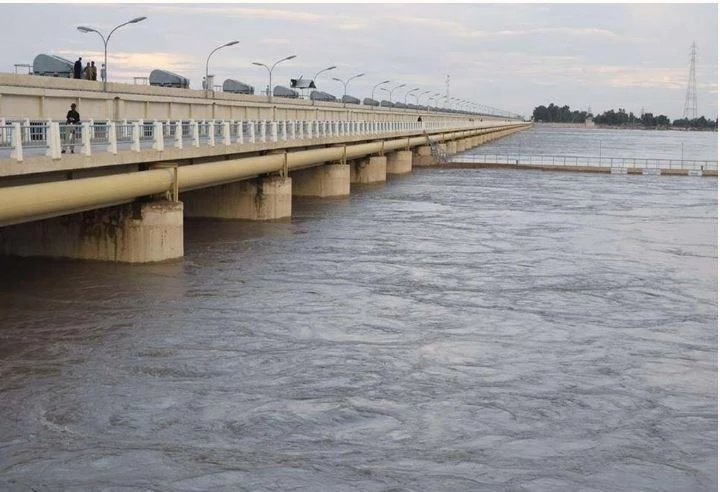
x: 451, y: 330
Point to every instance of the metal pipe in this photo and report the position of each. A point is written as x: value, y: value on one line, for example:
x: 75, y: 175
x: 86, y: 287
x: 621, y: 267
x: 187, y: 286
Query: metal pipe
x: 26, y: 203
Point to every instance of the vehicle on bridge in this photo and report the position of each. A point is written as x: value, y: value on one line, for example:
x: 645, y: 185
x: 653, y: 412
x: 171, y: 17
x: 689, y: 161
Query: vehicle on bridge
x: 237, y: 87
x: 52, y: 66
x: 350, y: 99
x: 280, y: 91
x: 370, y: 102
x: 163, y: 78
x: 322, y: 96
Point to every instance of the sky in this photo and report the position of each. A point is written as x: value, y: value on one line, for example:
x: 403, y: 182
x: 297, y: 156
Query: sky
x: 510, y: 56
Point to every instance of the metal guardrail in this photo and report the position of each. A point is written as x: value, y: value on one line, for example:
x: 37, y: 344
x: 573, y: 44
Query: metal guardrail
x: 52, y: 138
x: 587, y: 161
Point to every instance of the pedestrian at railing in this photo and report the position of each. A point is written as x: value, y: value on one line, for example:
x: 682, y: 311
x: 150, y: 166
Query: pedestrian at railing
x: 72, y: 121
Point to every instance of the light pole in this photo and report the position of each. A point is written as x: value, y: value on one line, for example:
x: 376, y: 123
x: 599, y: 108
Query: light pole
x: 432, y: 98
x: 106, y: 39
x: 321, y: 71
x: 270, y: 71
x: 345, y: 83
x: 372, y: 94
x: 410, y: 92
x: 391, y: 91
x: 208, y: 85
x: 417, y: 98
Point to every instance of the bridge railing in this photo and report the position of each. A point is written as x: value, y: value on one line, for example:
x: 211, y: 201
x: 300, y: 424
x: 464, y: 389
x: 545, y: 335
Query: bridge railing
x: 50, y: 137
x: 587, y: 161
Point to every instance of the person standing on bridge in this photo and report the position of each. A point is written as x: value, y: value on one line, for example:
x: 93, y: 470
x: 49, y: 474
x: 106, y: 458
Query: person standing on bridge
x: 72, y: 120
x: 93, y: 71
x: 77, y: 69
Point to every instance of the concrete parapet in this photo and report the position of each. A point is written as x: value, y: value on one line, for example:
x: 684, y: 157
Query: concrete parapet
x: 399, y: 162
x: 131, y: 233
x: 368, y: 170
x: 322, y: 181
x: 422, y: 157
x: 262, y: 198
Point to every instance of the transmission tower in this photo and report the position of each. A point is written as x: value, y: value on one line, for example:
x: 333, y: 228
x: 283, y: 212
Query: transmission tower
x: 690, y: 111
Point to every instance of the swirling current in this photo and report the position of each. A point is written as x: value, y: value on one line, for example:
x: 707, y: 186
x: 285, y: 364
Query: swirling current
x: 449, y: 330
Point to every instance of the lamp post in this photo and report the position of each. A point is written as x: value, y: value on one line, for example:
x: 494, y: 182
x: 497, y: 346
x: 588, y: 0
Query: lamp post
x: 321, y: 71
x: 391, y: 91
x: 270, y: 71
x: 410, y: 92
x: 372, y: 94
x: 208, y: 85
x: 432, y: 98
x: 105, y: 40
x: 345, y: 83
x: 417, y: 98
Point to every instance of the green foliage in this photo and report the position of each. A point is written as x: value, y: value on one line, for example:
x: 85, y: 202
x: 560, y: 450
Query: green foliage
x: 557, y: 114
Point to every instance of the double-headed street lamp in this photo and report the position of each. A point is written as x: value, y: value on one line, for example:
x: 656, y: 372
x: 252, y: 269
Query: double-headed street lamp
x: 372, y: 94
x: 105, y: 41
x: 391, y: 91
x: 321, y: 71
x: 270, y: 71
x: 345, y: 82
x: 410, y: 92
x: 208, y: 85
x: 419, y: 96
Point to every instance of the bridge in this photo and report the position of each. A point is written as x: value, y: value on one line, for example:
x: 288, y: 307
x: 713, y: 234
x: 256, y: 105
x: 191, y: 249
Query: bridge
x: 146, y: 157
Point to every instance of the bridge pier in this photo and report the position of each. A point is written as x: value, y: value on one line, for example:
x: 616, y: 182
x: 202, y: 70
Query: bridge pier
x: 323, y: 181
x: 422, y: 157
x: 139, y: 232
x: 263, y: 198
x: 451, y: 147
x: 399, y: 162
x: 368, y: 170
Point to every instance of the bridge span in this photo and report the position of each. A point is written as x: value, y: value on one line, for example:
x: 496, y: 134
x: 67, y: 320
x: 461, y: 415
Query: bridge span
x: 123, y: 195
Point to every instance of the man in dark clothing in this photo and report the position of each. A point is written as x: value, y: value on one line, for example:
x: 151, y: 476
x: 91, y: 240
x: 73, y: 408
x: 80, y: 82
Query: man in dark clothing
x: 73, y: 119
x: 77, y: 69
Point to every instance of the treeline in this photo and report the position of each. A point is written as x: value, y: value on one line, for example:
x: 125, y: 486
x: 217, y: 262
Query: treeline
x: 557, y: 114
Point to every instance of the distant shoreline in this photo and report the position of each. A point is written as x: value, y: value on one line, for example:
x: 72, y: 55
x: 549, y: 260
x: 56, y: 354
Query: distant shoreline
x: 613, y: 127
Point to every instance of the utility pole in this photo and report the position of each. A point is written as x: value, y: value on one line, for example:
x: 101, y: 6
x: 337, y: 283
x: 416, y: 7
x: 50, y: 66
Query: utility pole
x: 690, y: 110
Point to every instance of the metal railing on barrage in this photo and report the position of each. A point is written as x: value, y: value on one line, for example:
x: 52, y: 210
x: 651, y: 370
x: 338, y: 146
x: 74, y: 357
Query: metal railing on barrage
x: 55, y: 138
x: 587, y: 161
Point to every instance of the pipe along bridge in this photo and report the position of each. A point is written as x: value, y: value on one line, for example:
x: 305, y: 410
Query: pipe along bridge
x: 132, y: 211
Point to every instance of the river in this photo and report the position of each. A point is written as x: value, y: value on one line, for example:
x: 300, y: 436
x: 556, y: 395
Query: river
x: 450, y: 330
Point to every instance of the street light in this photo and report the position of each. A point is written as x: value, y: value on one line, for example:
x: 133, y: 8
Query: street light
x: 391, y: 91
x: 208, y: 85
x: 270, y: 71
x: 372, y: 94
x: 345, y: 83
x: 417, y: 98
x: 321, y: 71
x: 105, y: 40
x: 410, y: 92
x: 432, y: 98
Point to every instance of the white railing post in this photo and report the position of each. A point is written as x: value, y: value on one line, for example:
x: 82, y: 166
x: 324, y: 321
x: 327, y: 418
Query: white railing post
x: 211, y: 133
x: 241, y: 136
x: 195, y: 132
x: 301, y: 133
x: 251, y: 131
x: 135, y: 144
x: 86, y: 148
x: 226, y: 133
x: 26, y: 130
x: 17, y: 151
x: 263, y: 129
x: 112, y: 138
x: 292, y: 129
x: 274, y: 131
x: 3, y: 131
x: 158, y: 137
x: 283, y: 131
x: 178, y: 135
x: 53, y: 140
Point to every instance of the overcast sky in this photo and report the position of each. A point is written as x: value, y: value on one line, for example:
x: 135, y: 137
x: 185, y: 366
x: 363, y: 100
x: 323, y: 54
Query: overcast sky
x: 510, y: 56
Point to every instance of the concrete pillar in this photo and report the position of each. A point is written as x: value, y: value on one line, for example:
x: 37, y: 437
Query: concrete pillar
x: 399, y: 162
x: 130, y: 233
x: 322, y: 181
x: 368, y: 170
x: 422, y: 157
x: 263, y: 198
x: 459, y: 145
x: 451, y: 147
